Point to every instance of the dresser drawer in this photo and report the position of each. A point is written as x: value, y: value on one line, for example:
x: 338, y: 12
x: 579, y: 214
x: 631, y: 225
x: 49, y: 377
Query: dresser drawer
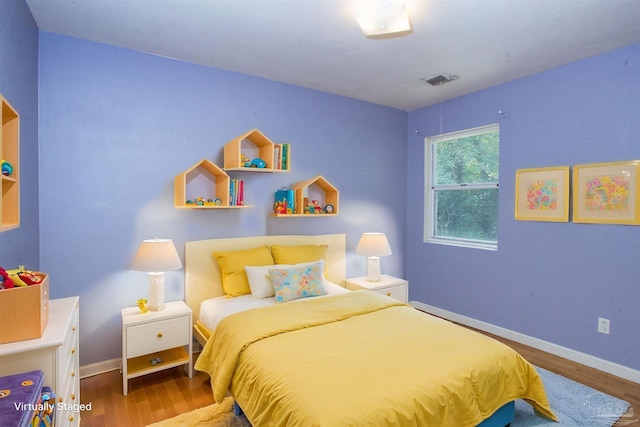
x: 157, y: 336
x: 397, y: 292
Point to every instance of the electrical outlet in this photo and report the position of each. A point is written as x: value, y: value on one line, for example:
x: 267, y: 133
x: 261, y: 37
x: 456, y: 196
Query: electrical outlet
x: 603, y: 325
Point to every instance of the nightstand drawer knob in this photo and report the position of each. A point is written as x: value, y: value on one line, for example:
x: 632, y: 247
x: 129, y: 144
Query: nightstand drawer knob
x: 73, y: 351
x: 73, y: 328
x: 73, y: 396
x: 159, y: 334
x: 388, y: 294
x: 73, y: 374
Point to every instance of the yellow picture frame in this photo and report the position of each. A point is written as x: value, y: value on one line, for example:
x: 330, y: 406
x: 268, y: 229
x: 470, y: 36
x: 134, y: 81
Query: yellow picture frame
x: 607, y: 193
x: 542, y: 194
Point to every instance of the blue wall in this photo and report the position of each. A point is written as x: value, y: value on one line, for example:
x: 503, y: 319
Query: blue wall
x: 117, y: 126
x: 547, y: 280
x: 19, y: 85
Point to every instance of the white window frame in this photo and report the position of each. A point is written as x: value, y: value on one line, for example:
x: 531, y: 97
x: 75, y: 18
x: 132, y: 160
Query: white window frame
x: 429, y: 192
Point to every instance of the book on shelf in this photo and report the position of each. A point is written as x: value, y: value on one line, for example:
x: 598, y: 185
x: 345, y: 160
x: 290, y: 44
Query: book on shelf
x: 285, y: 157
x: 236, y: 192
x: 284, y: 202
x: 281, y: 156
x: 277, y: 156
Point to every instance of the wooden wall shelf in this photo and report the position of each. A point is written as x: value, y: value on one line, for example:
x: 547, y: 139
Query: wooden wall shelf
x: 204, y: 179
x: 316, y: 188
x: 252, y: 144
x: 10, y: 152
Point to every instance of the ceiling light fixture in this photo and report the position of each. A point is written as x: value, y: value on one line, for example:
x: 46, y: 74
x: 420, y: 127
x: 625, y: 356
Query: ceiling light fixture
x: 439, y: 79
x: 383, y: 17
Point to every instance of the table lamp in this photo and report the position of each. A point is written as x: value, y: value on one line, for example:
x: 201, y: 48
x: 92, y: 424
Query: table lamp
x: 156, y: 256
x: 373, y: 246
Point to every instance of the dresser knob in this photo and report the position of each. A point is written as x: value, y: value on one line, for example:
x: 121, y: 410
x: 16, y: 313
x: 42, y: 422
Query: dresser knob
x: 388, y: 294
x: 59, y: 398
x: 71, y: 419
x: 159, y: 334
x: 73, y: 328
x: 73, y: 396
x: 73, y: 374
x: 73, y: 351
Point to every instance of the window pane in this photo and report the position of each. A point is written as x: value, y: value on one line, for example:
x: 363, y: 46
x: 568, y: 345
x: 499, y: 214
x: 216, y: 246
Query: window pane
x: 469, y: 159
x: 467, y: 214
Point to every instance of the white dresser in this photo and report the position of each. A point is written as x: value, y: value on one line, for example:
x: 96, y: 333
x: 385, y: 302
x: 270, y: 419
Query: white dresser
x: 55, y: 354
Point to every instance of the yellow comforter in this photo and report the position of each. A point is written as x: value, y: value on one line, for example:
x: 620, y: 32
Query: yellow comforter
x: 361, y: 359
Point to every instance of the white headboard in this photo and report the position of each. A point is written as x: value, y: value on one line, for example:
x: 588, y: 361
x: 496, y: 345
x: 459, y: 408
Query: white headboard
x: 202, y: 274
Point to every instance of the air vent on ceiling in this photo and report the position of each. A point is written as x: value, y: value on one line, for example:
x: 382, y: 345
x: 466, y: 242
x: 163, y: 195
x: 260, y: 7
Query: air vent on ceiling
x: 439, y: 79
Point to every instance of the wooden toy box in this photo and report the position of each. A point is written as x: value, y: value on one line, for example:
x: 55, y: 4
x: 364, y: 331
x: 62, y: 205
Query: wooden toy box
x: 24, y: 312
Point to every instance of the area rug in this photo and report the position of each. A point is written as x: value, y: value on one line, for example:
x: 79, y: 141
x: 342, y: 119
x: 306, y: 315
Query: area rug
x: 216, y: 415
x: 575, y: 405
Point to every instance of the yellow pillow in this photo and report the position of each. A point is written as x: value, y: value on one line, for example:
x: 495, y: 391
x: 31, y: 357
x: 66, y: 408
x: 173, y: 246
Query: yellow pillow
x: 301, y: 253
x: 234, y: 278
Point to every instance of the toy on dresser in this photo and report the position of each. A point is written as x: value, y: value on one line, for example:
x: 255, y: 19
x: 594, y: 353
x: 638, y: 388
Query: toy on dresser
x: 5, y: 280
x: 24, y: 297
x: 19, y: 277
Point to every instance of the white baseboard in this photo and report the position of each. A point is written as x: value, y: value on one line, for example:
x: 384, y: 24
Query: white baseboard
x: 567, y: 353
x: 99, y: 368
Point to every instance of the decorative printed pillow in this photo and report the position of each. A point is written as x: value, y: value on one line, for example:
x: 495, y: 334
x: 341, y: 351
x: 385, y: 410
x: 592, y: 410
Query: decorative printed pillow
x: 299, y: 282
x: 260, y: 280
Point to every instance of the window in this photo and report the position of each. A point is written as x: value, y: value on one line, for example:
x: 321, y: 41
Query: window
x: 461, y: 188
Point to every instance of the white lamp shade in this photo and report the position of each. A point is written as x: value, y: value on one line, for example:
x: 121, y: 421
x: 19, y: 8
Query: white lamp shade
x: 156, y: 255
x: 373, y: 244
x: 380, y: 17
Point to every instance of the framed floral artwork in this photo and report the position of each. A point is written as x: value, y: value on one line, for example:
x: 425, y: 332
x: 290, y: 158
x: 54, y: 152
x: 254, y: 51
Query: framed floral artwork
x: 542, y: 194
x: 607, y: 193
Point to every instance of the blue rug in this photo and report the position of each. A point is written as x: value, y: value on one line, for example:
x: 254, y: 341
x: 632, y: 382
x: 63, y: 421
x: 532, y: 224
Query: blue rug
x: 575, y: 405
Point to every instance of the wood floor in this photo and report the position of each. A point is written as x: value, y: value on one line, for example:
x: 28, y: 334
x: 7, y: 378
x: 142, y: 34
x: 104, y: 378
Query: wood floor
x: 151, y: 398
x: 168, y: 393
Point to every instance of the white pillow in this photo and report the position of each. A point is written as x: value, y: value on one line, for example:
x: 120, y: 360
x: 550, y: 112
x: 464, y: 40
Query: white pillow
x: 260, y: 281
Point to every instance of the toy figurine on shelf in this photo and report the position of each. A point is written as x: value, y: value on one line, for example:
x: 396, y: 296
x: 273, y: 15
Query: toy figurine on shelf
x: 258, y: 163
x: 245, y: 161
x: 142, y: 305
x: 315, y: 206
x: 280, y: 207
x: 7, y: 168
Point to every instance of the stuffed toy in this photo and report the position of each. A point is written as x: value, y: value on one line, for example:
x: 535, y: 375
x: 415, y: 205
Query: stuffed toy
x: 21, y: 277
x: 5, y: 280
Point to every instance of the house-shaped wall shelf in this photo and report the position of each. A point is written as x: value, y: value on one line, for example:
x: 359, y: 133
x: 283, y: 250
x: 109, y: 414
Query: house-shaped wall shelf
x: 10, y: 159
x: 319, y: 195
x: 252, y: 145
x: 203, y: 180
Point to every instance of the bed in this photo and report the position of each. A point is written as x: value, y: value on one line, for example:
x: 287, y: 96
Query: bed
x: 344, y: 358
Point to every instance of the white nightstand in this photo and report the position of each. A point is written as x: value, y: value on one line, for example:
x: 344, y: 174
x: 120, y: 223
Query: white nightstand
x: 388, y: 285
x: 155, y: 340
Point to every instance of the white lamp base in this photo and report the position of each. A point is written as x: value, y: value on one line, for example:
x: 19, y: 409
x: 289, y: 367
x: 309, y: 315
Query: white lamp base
x: 373, y: 269
x: 156, y: 291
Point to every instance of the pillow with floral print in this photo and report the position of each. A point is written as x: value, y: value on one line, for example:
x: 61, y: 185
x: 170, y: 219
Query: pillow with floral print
x: 299, y: 282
